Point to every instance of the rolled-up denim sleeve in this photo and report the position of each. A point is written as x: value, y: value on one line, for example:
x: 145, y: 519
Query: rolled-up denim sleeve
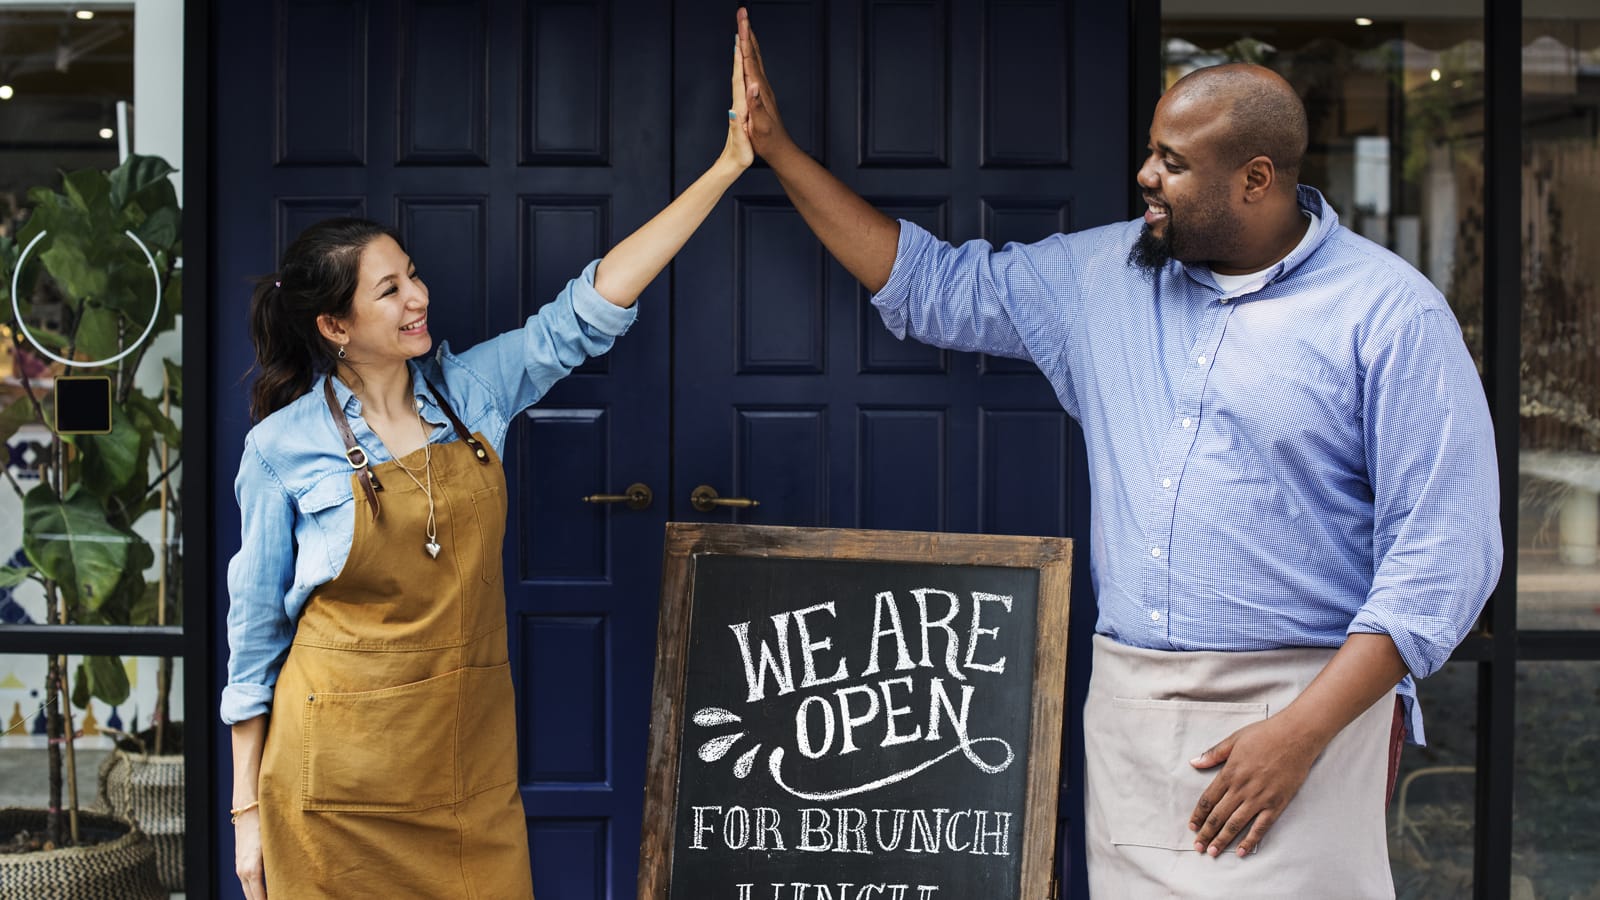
x: 1436, y: 495
x: 520, y: 366
x: 259, y: 577
x: 969, y: 297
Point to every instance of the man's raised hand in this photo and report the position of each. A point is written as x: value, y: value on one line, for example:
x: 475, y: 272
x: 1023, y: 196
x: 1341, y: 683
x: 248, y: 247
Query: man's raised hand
x: 761, y: 121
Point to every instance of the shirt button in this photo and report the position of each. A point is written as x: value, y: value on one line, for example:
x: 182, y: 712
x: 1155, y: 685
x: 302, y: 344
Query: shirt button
x: 1166, y: 482
x: 1155, y: 552
x: 1223, y: 300
x: 1155, y: 616
x: 1202, y: 359
x: 1187, y: 422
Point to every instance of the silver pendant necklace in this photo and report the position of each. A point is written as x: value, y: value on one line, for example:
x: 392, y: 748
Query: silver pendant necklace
x: 425, y: 483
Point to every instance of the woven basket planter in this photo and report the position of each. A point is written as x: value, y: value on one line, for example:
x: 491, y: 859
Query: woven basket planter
x: 123, y: 868
x: 148, y: 790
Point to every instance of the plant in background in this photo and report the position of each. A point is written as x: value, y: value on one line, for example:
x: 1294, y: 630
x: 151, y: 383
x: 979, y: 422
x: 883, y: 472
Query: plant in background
x: 79, y: 521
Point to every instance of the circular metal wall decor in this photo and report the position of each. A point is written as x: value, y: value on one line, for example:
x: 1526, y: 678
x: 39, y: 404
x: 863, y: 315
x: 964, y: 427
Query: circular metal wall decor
x: 16, y: 308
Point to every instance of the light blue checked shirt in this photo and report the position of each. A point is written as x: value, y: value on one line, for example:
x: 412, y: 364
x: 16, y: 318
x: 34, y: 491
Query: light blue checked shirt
x: 1303, y: 458
x: 296, y: 501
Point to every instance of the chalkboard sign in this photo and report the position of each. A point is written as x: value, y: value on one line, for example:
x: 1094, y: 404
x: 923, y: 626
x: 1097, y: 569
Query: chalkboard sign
x: 855, y: 715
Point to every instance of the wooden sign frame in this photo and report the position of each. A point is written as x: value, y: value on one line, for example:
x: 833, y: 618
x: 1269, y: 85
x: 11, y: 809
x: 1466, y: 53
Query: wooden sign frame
x: 1051, y: 557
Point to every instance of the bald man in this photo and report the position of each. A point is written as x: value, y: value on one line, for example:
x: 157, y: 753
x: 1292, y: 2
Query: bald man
x: 1293, y: 484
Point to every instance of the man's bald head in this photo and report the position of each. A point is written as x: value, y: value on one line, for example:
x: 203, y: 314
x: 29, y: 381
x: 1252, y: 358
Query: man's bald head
x: 1265, y: 115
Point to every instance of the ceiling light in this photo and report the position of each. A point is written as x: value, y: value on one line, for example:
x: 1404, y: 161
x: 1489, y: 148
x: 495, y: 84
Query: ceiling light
x: 85, y: 14
x: 107, y: 134
x: 1434, y: 75
x: 6, y: 92
x: 1363, y: 21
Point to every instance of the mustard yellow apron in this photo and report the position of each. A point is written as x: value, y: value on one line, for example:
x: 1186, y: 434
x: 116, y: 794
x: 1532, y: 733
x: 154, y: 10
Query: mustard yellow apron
x: 390, y: 767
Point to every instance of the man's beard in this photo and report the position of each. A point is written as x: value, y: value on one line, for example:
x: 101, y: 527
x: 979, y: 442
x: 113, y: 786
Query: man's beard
x: 1150, y: 254
x: 1211, y: 231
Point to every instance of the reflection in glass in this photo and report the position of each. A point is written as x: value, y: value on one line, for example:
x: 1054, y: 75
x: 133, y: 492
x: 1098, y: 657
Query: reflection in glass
x: 1555, y: 853
x: 1431, y: 812
x: 1558, y: 568
x: 1395, y: 109
x: 115, y: 763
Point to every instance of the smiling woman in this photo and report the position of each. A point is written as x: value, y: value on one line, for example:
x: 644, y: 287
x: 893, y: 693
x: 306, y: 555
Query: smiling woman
x: 368, y: 589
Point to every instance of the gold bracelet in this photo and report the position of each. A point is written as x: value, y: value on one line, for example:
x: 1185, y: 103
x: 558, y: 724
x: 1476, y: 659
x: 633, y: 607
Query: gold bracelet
x: 236, y: 813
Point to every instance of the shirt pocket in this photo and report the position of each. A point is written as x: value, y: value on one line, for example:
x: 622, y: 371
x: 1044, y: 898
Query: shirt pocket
x: 1151, y: 744
x: 321, y: 504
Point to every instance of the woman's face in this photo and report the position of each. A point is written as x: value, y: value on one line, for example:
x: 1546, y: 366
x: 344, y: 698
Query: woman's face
x: 388, y: 318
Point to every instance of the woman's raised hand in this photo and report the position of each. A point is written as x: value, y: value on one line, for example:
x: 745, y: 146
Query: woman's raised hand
x: 738, y: 149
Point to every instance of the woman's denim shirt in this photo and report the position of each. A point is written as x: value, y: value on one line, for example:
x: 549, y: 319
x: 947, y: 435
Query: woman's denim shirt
x: 296, y: 508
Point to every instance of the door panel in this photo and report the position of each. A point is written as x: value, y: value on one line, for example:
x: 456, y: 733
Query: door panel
x: 482, y: 132
x: 511, y: 142
x: 996, y: 119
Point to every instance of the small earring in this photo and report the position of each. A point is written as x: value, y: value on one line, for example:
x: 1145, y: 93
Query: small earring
x: 341, y: 351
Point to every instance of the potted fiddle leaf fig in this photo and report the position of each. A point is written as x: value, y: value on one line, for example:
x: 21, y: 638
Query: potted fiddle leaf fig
x: 98, y: 262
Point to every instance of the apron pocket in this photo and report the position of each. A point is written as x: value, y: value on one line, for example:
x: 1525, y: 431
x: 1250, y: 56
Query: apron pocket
x: 1149, y: 745
x: 487, y: 719
x: 389, y: 750
x: 489, y: 505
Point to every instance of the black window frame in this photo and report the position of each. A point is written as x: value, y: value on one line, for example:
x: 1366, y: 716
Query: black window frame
x: 193, y: 641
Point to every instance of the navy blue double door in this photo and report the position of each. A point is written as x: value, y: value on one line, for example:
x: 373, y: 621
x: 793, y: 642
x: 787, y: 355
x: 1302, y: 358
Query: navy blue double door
x: 511, y: 142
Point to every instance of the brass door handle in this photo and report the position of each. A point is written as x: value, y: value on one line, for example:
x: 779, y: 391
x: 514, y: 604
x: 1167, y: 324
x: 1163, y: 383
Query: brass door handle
x: 637, y: 497
x: 705, y: 499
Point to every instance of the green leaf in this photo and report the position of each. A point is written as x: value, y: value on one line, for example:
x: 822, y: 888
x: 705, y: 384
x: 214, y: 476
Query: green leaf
x: 171, y: 300
x: 49, y: 339
x: 80, y: 687
x: 146, y: 415
x: 11, y: 576
x: 90, y: 191
x: 175, y: 376
x: 97, y: 332
x: 77, y: 268
x: 136, y: 176
x: 160, y: 230
x: 143, y: 611
x: 113, y: 460
x: 9, y: 251
x: 103, y: 677
x: 71, y: 542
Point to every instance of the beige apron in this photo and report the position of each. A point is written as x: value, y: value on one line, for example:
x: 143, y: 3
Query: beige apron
x: 390, y: 767
x: 1149, y: 712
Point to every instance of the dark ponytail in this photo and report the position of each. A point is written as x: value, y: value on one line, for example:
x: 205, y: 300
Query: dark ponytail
x: 317, y: 277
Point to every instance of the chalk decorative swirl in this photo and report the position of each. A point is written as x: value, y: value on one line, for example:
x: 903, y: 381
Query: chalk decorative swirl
x: 775, y: 766
x: 718, y: 747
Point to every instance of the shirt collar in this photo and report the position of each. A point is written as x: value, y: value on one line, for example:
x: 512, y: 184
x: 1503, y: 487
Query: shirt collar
x: 1309, y: 199
x: 351, y: 404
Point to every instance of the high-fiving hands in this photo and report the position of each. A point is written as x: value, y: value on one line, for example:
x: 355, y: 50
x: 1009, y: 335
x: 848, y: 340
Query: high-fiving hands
x: 760, y: 116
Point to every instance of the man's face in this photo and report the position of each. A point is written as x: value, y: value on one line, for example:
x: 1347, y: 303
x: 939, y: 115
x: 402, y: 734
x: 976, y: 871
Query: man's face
x: 1190, y: 214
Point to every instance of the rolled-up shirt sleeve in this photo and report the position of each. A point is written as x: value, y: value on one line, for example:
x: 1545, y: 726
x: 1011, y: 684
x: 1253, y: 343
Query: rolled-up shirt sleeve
x: 259, y: 577
x: 967, y: 297
x: 1436, y: 531
x: 520, y: 366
